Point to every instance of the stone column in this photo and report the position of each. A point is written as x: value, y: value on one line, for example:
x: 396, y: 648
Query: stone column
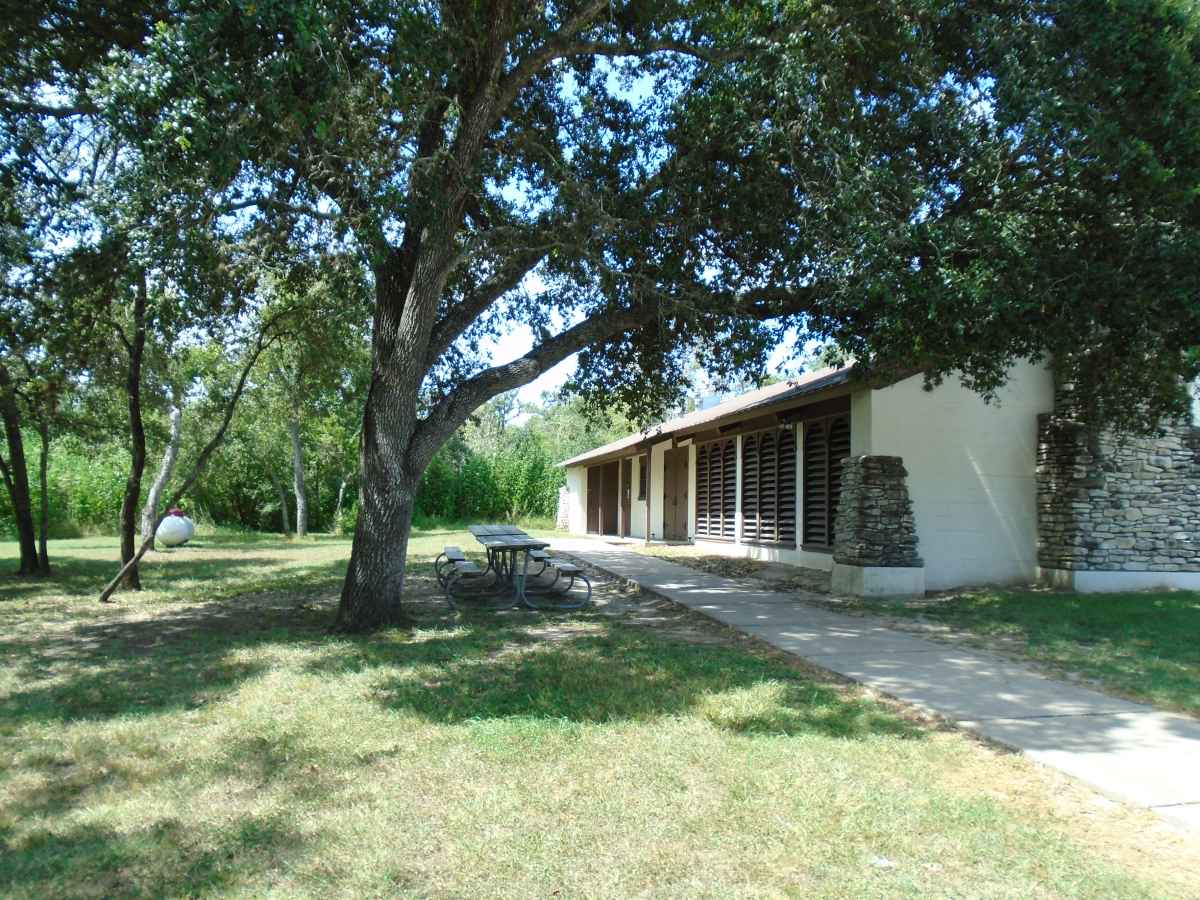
x: 875, y: 536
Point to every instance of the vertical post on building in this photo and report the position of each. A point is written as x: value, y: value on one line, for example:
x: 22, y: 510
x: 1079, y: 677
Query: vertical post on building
x: 649, y: 493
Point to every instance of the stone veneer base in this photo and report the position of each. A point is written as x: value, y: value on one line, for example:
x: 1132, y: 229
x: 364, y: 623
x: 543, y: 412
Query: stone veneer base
x: 879, y: 581
x: 1094, y: 582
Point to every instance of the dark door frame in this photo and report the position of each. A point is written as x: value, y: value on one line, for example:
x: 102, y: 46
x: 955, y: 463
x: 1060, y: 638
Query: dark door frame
x: 675, y: 494
x: 610, y: 498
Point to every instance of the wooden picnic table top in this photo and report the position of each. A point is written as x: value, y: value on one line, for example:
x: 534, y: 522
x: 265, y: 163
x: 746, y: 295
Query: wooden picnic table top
x: 482, y: 530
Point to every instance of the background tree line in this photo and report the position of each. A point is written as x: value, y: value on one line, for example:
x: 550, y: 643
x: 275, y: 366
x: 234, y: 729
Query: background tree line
x: 501, y: 465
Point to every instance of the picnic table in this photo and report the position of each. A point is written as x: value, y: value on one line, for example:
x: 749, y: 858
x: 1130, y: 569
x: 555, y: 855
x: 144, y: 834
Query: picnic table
x: 503, y: 550
x: 509, y: 551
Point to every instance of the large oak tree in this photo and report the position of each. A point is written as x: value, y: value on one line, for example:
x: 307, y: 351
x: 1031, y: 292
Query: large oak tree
x: 929, y: 185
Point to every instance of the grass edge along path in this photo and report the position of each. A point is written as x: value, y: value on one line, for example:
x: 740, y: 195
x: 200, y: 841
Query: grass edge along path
x: 1140, y: 645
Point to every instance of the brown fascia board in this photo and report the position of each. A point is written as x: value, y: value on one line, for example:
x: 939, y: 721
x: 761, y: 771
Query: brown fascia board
x: 835, y: 384
x: 788, y: 405
x: 637, y: 449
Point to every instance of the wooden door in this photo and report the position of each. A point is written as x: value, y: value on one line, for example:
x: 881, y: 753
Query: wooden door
x: 610, y: 496
x: 593, y: 499
x: 675, y: 495
x: 626, y: 496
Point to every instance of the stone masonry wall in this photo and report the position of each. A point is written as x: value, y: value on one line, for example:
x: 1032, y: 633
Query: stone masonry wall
x: 1111, y: 505
x: 874, y: 524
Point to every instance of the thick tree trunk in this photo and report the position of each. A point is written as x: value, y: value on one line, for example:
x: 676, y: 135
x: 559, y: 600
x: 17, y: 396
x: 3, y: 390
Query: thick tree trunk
x: 374, y: 582
x: 137, y: 441
x: 165, y: 469
x: 16, y: 477
x: 386, y: 497
x: 298, y: 479
x: 44, y: 485
x: 283, y: 504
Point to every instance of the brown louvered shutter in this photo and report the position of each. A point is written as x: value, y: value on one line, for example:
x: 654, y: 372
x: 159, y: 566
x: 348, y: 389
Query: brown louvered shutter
x: 729, y: 490
x: 750, y: 531
x: 816, y: 484
x: 787, y: 487
x: 768, y: 487
x: 714, y: 490
x: 839, y: 449
x: 826, y: 444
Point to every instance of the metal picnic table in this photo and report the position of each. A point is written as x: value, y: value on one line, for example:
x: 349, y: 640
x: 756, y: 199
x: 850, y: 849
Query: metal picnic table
x: 502, y: 550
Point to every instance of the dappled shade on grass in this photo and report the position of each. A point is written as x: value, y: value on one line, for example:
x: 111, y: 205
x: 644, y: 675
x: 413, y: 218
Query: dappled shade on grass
x: 174, y: 747
x: 613, y: 674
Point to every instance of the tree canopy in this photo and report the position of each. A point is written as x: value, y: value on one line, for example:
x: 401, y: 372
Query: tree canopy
x: 934, y: 186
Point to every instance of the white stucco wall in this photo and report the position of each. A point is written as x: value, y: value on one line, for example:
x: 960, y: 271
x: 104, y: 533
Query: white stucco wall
x: 970, y: 471
x: 577, y: 499
x: 657, y: 457
x: 793, y: 557
x: 637, y: 516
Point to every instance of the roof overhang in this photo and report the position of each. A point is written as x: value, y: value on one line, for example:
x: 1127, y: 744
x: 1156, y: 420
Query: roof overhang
x: 834, y: 383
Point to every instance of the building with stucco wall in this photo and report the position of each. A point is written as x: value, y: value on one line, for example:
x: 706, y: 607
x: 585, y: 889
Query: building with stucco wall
x: 898, y: 489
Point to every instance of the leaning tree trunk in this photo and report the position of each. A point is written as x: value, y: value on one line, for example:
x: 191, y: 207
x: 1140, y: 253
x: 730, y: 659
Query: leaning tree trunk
x: 341, y: 500
x: 16, y: 477
x: 44, y: 485
x: 298, y: 478
x: 137, y: 441
x: 165, y: 469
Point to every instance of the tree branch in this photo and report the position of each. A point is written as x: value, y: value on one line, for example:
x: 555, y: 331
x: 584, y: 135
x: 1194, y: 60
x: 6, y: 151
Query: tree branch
x: 268, y: 203
x: 524, y: 71
x: 454, y: 409
x: 43, y: 109
x: 478, y: 300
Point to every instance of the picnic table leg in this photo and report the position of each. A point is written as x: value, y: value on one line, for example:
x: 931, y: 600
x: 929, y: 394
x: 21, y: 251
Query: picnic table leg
x: 521, y: 598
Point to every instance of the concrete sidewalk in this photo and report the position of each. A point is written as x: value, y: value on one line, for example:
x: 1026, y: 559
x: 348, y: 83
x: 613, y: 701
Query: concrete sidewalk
x: 1124, y: 750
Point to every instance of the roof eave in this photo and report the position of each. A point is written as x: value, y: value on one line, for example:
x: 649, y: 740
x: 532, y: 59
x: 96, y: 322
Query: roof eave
x: 809, y: 393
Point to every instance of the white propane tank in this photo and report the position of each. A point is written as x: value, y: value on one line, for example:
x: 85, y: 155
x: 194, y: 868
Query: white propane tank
x: 174, y: 531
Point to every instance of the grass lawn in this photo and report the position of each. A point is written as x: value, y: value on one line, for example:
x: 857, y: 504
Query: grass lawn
x: 1143, y: 645
x: 208, y: 737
